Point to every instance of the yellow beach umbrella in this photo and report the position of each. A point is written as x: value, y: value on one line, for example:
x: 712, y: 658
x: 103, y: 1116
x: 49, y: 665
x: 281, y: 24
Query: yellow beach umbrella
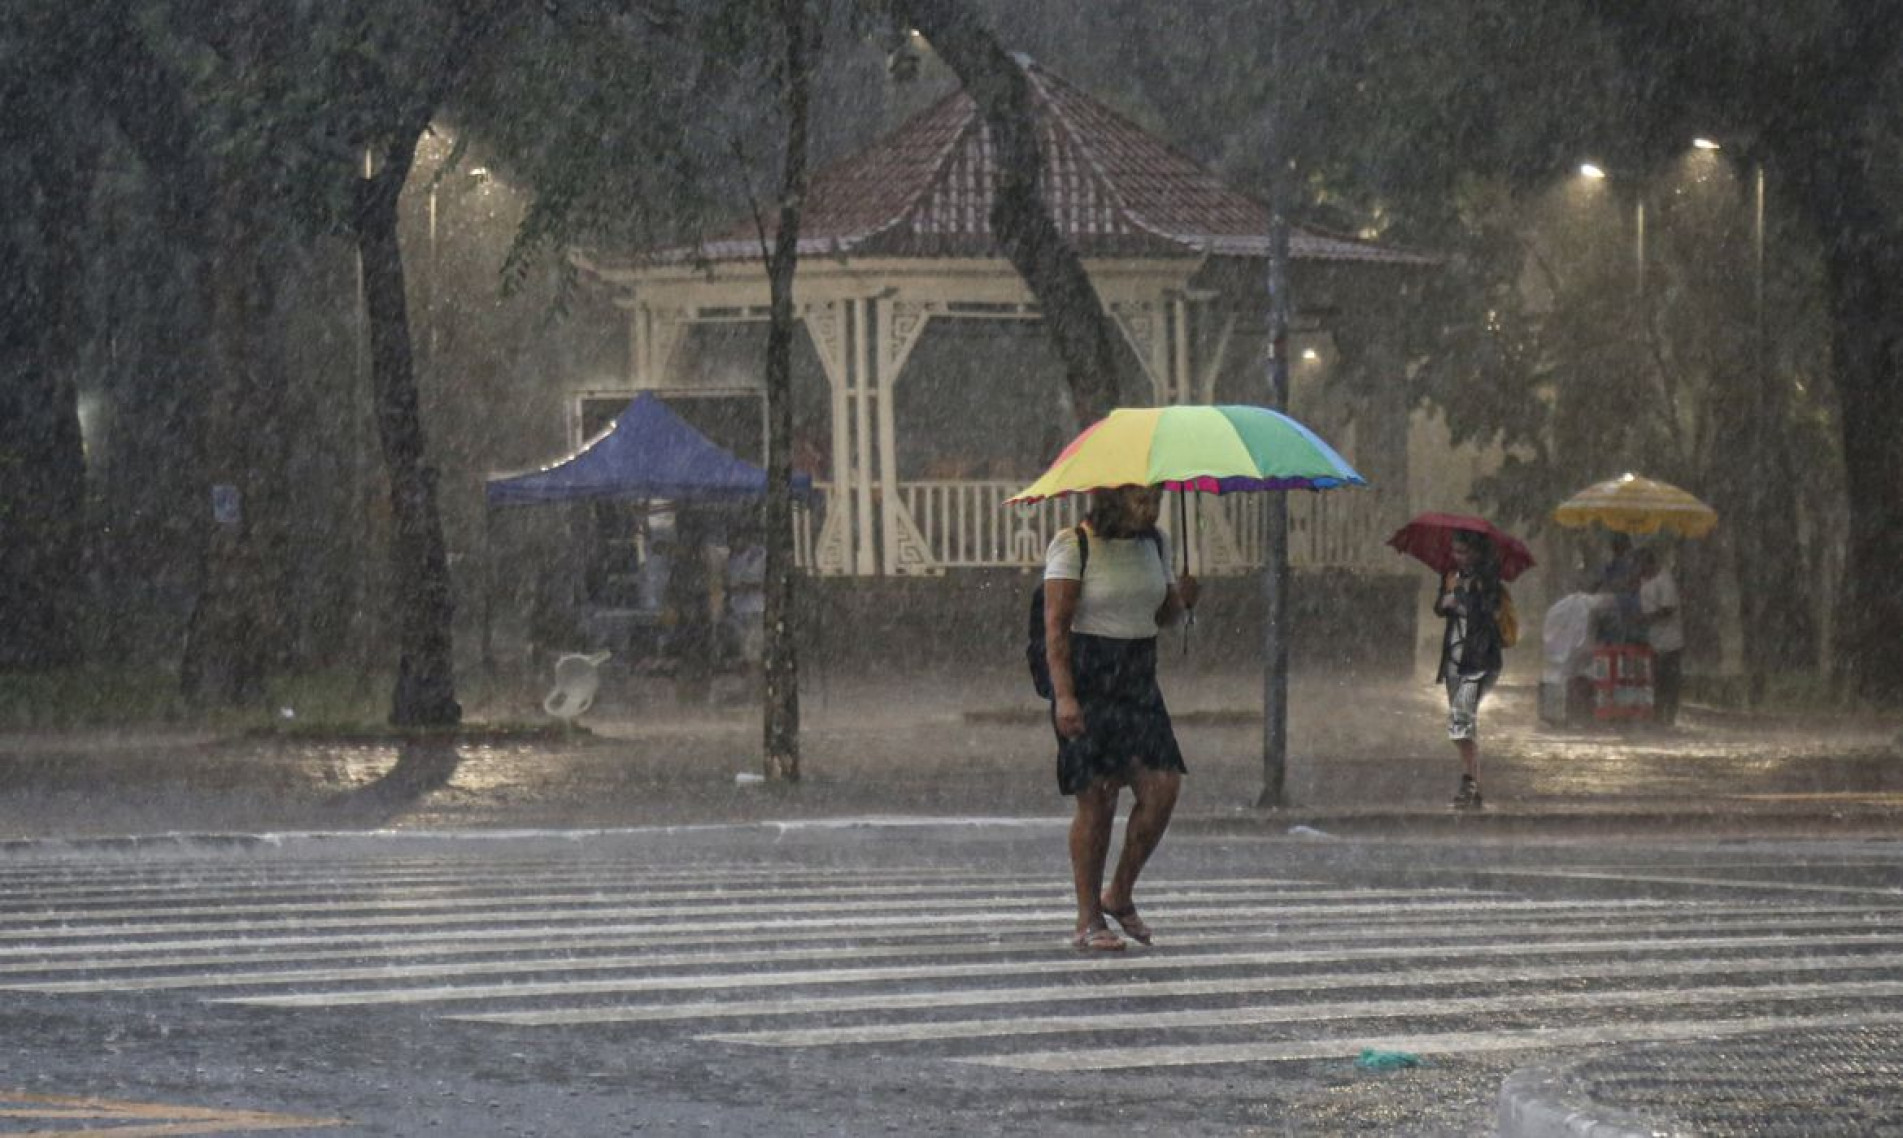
x: 1635, y: 505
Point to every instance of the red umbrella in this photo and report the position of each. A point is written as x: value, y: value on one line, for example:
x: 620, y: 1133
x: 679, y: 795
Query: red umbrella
x: 1430, y: 539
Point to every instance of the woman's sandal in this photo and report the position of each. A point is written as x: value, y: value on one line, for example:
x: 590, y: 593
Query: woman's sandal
x: 1097, y: 938
x: 1132, y: 925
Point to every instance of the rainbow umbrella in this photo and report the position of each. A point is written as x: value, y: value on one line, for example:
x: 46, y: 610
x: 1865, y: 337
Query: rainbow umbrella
x: 1635, y: 505
x: 1210, y: 450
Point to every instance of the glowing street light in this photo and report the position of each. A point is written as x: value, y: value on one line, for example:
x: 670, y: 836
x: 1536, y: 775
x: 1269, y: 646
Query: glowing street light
x: 1597, y: 173
x: 1705, y: 144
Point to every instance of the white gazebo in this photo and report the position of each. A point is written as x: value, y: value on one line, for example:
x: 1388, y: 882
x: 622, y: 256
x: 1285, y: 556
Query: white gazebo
x: 895, y: 242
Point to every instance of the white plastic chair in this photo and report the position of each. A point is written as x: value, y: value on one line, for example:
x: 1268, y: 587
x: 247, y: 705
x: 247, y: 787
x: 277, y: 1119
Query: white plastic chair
x: 577, y: 679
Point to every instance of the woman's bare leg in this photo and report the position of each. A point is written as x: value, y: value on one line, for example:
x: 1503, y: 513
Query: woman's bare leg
x: 1090, y: 847
x: 1155, y: 793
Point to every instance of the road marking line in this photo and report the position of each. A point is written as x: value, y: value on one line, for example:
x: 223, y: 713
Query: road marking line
x: 896, y: 928
x: 590, y: 900
x: 1306, y: 1013
x: 1720, y: 882
x: 1071, y: 965
x: 29, y: 941
x: 251, y: 950
x: 1444, y: 1043
x: 226, y: 970
x: 164, y: 1118
x: 1160, y: 989
x: 580, y: 889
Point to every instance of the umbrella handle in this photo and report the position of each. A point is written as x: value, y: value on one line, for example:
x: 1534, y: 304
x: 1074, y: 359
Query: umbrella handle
x: 1182, y: 528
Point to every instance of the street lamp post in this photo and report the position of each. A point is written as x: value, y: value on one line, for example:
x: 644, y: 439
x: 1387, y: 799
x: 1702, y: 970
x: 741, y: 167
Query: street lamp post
x: 1598, y: 174
x: 1275, y: 570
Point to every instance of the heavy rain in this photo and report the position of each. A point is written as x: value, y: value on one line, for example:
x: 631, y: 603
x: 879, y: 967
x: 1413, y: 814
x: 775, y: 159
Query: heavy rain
x: 956, y: 566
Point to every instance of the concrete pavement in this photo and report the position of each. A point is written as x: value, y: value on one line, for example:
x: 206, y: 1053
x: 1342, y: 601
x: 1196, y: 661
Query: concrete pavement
x: 1366, y: 756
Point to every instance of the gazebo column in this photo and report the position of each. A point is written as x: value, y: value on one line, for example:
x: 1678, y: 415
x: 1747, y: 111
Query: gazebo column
x: 1207, y: 331
x: 1162, y: 334
x: 1159, y: 331
x: 896, y: 328
x: 1141, y: 322
x: 657, y: 333
x: 859, y: 395
x: 836, y: 553
x: 862, y: 343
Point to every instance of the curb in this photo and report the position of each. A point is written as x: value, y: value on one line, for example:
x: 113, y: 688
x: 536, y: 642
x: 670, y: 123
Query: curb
x: 1432, y: 822
x: 214, y: 841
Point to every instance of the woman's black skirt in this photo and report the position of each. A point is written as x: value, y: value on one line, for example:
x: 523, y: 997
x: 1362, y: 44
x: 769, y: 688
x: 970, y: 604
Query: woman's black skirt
x: 1125, y: 721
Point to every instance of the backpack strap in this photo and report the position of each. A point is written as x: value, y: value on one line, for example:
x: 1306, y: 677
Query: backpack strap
x: 1083, y: 553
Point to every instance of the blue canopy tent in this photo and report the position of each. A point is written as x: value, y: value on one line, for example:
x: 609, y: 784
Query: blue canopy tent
x: 649, y: 452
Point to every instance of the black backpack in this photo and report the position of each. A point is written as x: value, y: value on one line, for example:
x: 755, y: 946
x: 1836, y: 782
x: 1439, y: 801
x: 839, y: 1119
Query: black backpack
x: 1034, y: 646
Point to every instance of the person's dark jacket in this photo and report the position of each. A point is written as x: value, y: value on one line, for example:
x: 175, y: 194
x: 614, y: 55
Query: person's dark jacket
x: 1478, y: 594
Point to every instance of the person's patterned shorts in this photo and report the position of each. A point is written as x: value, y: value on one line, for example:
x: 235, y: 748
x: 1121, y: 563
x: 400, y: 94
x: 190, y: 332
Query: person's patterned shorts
x: 1464, y: 693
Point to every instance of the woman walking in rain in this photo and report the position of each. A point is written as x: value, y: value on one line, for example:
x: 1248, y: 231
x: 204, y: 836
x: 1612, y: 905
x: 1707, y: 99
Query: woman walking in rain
x: 1470, y: 598
x: 1108, y: 589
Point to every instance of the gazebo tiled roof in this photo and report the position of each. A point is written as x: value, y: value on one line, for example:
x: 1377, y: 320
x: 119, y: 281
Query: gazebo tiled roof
x: 1114, y: 190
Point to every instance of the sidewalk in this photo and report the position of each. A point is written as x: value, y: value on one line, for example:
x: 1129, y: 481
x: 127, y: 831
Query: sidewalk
x: 1365, y: 757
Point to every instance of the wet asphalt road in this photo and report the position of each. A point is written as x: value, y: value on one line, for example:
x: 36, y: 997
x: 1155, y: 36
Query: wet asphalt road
x: 868, y: 979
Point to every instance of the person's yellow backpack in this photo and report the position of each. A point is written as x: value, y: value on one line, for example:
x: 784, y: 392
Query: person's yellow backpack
x: 1507, y: 620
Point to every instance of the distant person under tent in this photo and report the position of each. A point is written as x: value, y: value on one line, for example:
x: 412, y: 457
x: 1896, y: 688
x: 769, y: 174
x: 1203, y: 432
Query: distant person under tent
x: 1665, y: 631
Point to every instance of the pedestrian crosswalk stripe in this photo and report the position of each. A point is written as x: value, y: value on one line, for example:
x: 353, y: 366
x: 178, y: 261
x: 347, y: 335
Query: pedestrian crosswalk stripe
x: 764, y: 919
x: 231, y: 970
x: 1412, y: 980
x: 974, y: 963
x: 1891, y: 891
x: 581, y: 888
x: 702, y: 903
x: 1155, y: 1021
x: 1443, y: 1043
x: 1143, y: 962
x: 258, y: 936
x: 108, y: 872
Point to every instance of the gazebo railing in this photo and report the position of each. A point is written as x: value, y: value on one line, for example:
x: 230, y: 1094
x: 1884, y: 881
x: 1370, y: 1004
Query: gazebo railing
x: 1338, y: 529
x: 966, y: 525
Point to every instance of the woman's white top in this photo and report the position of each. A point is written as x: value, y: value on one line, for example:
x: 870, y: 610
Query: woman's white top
x: 1128, y: 580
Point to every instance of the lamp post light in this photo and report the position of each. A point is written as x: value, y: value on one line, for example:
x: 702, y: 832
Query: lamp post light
x: 1597, y: 173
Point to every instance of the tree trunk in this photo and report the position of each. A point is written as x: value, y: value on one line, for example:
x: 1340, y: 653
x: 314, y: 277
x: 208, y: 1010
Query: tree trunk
x: 1020, y: 219
x: 779, y: 664
x: 236, y: 628
x: 1866, y: 299
x: 1863, y: 272
x: 425, y: 693
x: 42, y: 464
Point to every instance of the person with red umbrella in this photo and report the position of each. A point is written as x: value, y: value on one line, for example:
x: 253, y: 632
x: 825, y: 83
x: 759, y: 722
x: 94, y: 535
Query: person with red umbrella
x: 1470, y: 601
x: 1473, y: 558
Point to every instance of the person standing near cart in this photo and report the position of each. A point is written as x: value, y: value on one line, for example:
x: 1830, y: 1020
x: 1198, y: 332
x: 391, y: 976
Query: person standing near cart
x: 1470, y: 599
x: 1664, y: 631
